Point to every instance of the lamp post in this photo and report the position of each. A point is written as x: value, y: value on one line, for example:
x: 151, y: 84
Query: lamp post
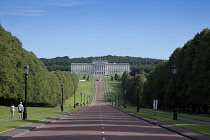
x: 112, y: 99
x: 125, y: 99
x: 137, y: 99
x: 74, y: 98
x: 87, y: 99
x: 84, y: 99
x: 118, y: 99
x: 81, y: 99
x: 62, y: 88
x: 26, y: 73
x: 115, y: 99
x: 174, y: 71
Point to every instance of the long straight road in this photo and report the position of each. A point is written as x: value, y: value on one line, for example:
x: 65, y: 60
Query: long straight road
x: 100, y: 122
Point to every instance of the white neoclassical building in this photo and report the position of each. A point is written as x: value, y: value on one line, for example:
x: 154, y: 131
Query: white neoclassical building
x: 99, y: 67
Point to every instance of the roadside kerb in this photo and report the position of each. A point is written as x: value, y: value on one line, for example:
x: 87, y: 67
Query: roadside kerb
x: 32, y: 126
x: 179, y: 130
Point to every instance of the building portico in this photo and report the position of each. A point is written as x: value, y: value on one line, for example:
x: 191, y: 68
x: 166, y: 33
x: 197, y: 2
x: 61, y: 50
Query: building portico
x: 101, y: 67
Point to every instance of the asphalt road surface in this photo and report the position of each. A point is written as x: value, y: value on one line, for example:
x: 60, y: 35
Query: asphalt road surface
x: 100, y: 122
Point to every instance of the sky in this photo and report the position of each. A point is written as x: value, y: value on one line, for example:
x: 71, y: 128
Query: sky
x: 89, y: 28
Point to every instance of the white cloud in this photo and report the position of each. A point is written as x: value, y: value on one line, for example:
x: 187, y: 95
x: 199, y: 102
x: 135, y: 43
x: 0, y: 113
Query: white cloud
x: 38, y: 7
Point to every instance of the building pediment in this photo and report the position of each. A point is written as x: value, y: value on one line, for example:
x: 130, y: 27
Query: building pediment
x: 99, y: 67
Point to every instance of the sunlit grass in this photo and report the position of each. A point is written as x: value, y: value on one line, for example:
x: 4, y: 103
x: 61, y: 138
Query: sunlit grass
x: 16, y: 123
x: 201, y: 117
x: 87, y: 88
x: 114, y: 88
x: 5, y: 111
x: 204, y: 129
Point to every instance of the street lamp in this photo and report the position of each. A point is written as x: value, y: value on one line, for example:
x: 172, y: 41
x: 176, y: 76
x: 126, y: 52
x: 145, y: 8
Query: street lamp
x: 174, y: 71
x: 118, y: 99
x: 87, y: 99
x: 112, y: 99
x: 125, y: 99
x: 62, y: 88
x: 137, y: 99
x: 74, y: 98
x: 26, y: 73
x: 115, y: 99
x: 84, y: 99
x: 81, y: 99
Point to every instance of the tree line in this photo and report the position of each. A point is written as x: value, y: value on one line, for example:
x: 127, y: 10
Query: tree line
x: 138, y: 65
x: 44, y: 87
x: 192, y: 81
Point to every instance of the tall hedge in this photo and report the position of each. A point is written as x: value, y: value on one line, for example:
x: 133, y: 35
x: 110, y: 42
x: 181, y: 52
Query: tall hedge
x: 192, y: 79
x: 44, y: 87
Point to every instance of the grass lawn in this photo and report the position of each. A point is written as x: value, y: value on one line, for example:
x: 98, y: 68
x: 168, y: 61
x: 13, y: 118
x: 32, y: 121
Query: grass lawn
x: 114, y: 88
x: 83, y: 87
x: 16, y: 123
x: 195, y: 116
x: 87, y: 88
x: 204, y: 129
x: 5, y: 111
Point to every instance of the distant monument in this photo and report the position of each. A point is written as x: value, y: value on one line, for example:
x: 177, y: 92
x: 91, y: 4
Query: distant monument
x: 100, y: 67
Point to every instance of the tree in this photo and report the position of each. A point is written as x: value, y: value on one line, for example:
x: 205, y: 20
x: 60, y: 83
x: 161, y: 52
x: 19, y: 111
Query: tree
x: 139, y: 80
x: 116, y: 76
x: 44, y: 87
x: 192, y: 79
x: 137, y: 64
x: 112, y: 78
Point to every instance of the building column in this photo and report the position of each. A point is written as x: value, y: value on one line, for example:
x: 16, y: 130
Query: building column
x: 103, y: 69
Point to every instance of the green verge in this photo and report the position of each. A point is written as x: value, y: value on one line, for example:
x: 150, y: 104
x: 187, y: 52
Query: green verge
x: 195, y: 116
x: 83, y: 87
x: 87, y: 88
x: 114, y: 87
x: 5, y: 111
x: 204, y: 129
x: 16, y: 123
x: 115, y: 90
x: 201, y: 117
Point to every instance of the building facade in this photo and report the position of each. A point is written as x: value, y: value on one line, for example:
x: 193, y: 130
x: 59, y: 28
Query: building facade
x: 99, y: 67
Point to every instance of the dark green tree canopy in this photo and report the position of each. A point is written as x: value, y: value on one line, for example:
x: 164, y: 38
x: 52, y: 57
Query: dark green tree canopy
x: 193, y: 74
x: 138, y: 65
x: 192, y: 78
x: 44, y: 87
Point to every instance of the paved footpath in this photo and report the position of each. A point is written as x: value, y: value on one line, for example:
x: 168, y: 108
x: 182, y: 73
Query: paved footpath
x: 100, y: 122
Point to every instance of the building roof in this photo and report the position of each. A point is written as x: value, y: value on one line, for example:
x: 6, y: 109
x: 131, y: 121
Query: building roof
x: 99, y: 61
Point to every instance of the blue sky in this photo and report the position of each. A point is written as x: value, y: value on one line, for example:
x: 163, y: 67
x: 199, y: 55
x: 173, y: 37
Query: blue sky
x: 84, y: 28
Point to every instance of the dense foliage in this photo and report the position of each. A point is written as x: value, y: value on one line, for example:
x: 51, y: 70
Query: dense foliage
x: 192, y: 79
x: 44, y: 87
x: 133, y: 85
x: 138, y: 64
